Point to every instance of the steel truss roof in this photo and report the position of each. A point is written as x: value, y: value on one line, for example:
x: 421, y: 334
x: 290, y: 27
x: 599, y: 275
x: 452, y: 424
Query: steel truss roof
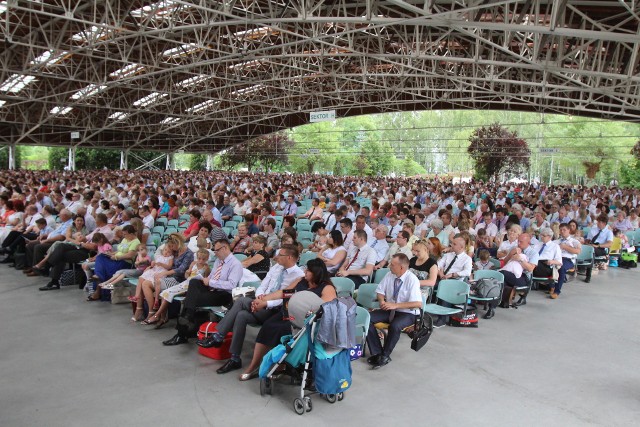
x: 204, y: 75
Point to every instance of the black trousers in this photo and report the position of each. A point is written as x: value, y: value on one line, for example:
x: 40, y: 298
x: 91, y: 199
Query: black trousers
x: 511, y: 282
x: 62, y: 255
x: 199, y: 295
x: 358, y: 280
x: 35, y: 252
x: 400, y: 321
x: 543, y: 270
x: 11, y: 237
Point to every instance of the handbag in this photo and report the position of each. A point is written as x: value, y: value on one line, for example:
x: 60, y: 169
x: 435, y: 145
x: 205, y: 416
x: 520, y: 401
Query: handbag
x: 421, y: 331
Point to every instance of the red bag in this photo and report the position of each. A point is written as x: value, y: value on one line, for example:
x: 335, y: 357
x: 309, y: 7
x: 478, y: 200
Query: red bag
x: 219, y: 353
x: 470, y: 320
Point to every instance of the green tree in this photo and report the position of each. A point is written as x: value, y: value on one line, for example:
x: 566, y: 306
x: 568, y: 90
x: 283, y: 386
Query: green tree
x: 496, y: 150
x: 316, y: 149
x: 198, y: 162
x: 94, y: 158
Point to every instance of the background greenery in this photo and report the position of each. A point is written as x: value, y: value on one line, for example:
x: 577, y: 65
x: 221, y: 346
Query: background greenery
x: 422, y: 142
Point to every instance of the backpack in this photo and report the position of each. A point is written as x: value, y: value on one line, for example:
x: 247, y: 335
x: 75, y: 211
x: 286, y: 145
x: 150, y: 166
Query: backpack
x: 487, y: 288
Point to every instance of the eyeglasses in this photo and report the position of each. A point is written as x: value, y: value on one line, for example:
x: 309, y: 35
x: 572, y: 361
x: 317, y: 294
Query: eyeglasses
x: 218, y: 249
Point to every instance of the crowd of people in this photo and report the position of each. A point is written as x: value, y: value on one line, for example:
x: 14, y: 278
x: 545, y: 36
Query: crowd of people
x: 414, y: 231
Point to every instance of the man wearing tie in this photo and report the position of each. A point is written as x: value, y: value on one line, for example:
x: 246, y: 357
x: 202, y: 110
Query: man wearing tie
x: 453, y: 265
x: 380, y: 244
x: 400, y: 301
x: 361, y: 260
x: 291, y: 208
x: 280, y: 276
x: 214, y: 290
x: 549, y: 254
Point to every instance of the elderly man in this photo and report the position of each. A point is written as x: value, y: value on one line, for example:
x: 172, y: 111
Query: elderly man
x: 360, y: 262
x: 401, y: 246
x: 519, y: 261
x: 214, y: 290
x: 601, y: 238
x: 569, y: 250
x: 36, y: 250
x: 400, y: 301
x: 280, y: 276
x: 549, y: 254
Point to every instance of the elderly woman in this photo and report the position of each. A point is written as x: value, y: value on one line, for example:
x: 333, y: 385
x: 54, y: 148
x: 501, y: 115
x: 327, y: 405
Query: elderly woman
x: 335, y: 254
x: 242, y: 240
x: 316, y: 279
x: 13, y: 217
x: 108, y: 263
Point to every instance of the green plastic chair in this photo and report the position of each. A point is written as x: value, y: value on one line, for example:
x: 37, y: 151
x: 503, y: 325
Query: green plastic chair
x: 306, y: 257
x: 303, y: 221
x: 240, y: 257
x: 305, y: 235
x: 158, y: 229
x: 379, y: 275
x: 231, y: 224
x: 367, y: 297
x: 344, y: 286
x: 495, y: 262
x: 303, y: 227
x: 455, y: 292
x: 173, y: 223
x: 254, y: 284
x: 631, y: 236
x: 363, y: 319
x: 586, y: 259
x: 162, y: 221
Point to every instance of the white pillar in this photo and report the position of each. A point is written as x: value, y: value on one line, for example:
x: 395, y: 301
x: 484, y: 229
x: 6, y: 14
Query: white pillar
x: 171, y: 163
x: 12, y: 156
x: 72, y: 159
x: 124, y: 159
x: 209, y: 162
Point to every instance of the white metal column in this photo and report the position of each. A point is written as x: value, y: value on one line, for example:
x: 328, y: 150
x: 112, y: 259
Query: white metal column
x: 209, y: 162
x: 72, y: 159
x: 124, y: 159
x: 171, y: 161
x: 12, y: 156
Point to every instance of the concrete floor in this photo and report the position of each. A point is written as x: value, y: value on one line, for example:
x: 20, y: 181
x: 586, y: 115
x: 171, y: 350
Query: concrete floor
x: 570, y: 362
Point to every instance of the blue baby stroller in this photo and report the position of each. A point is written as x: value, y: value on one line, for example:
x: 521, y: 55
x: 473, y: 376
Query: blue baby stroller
x: 319, y: 366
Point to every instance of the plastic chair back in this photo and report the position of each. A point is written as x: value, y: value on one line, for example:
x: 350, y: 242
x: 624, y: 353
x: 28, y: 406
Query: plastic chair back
x: 379, y: 275
x: 454, y: 292
x: 631, y: 237
x: 585, y: 256
x: 173, y: 223
x: 363, y: 319
x: 367, y: 297
x: 254, y: 284
x: 495, y: 262
x: 305, y: 235
x: 302, y: 221
x: 240, y: 257
x: 303, y: 228
x: 306, y: 257
x: 231, y: 224
x: 344, y: 286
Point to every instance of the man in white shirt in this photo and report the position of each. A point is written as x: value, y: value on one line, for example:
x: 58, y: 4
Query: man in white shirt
x: 360, y: 262
x: 346, y: 228
x: 549, y: 254
x: 453, y: 265
x: 147, y: 218
x: 279, y: 277
x: 487, y: 223
x: 394, y: 228
x: 569, y: 249
x: 361, y: 224
x: 401, y: 246
x: 380, y: 244
x: 214, y: 290
x: 400, y: 301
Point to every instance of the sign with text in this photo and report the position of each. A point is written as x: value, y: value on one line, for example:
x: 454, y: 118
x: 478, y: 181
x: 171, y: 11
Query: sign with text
x: 549, y: 150
x: 322, y: 116
x: 75, y: 135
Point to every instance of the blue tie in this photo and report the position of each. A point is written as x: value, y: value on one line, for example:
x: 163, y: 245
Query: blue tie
x: 542, y: 248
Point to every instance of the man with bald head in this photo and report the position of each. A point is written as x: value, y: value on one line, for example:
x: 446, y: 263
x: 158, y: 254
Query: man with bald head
x: 520, y: 261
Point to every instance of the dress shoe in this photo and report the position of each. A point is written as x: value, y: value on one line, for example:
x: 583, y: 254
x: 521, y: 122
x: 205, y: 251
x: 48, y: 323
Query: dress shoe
x: 383, y: 360
x: 209, y: 342
x: 489, y: 314
x: 33, y: 273
x: 231, y: 365
x: 175, y: 340
x: 373, y: 359
x: 7, y: 260
x: 49, y: 287
x: 27, y: 270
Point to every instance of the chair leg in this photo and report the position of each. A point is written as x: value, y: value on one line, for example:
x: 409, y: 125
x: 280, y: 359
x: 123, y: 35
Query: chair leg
x: 587, y: 278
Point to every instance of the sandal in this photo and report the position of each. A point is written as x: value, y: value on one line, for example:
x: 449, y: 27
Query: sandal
x: 133, y: 298
x: 249, y: 375
x: 135, y: 318
x: 150, y: 321
x: 162, y: 321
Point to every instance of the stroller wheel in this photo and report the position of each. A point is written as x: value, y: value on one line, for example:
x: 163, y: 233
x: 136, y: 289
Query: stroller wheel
x: 331, y: 398
x: 298, y: 406
x: 340, y: 396
x: 266, y: 386
x: 307, y: 403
